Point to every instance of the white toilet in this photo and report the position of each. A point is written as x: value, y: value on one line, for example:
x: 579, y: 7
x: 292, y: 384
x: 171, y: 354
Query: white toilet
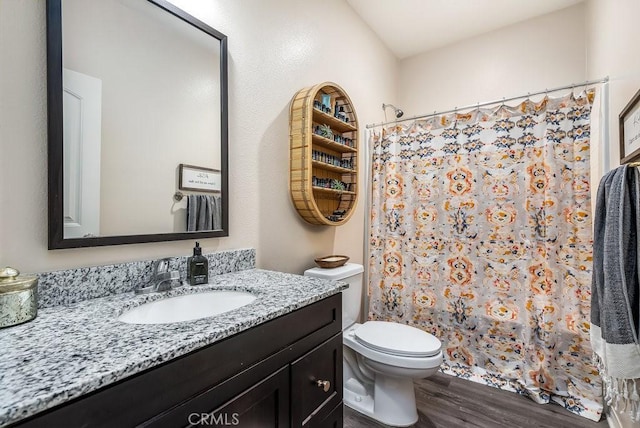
x: 380, y: 359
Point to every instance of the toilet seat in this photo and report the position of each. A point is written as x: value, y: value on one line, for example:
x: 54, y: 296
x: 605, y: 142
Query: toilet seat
x: 397, y: 339
x: 401, y: 361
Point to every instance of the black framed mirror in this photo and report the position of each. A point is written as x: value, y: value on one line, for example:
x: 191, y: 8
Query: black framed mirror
x: 136, y: 89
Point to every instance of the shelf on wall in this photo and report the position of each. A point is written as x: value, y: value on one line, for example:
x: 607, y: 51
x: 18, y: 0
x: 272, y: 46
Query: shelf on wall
x: 333, y: 122
x: 332, y: 191
x: 332, y: 145
x: 330, y: 167
x: 315, y: 203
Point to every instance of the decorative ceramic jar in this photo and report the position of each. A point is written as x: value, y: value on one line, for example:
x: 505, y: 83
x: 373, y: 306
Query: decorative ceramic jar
x: 18, y: 297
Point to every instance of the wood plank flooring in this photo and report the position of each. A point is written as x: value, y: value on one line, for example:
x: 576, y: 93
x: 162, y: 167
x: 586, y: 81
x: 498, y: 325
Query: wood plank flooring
x: 448, y: 402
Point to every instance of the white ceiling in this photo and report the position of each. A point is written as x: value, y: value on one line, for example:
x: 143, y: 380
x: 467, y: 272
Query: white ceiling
x: 409, y: 27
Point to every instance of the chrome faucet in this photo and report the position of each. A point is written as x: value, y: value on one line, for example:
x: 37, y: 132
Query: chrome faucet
x: 162, y: 279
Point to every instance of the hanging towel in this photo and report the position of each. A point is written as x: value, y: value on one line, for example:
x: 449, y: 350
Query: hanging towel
x: 204, y: 212
x: 216, y: 212
x: 615, y: 303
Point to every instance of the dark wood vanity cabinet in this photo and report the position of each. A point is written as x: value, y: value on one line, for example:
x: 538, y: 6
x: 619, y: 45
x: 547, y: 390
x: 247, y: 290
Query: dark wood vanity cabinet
x: 286, y: 372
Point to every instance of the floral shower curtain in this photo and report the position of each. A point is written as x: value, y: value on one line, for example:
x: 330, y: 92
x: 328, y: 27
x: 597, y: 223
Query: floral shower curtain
x: 481, y: 235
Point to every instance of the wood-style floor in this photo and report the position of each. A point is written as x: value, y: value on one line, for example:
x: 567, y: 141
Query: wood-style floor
x: 448, y: 402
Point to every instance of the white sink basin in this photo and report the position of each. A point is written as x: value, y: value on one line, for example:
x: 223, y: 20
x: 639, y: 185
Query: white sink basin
x: 187, y: 308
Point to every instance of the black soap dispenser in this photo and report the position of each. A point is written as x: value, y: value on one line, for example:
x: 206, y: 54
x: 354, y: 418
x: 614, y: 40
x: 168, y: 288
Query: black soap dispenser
x: 197, y: 267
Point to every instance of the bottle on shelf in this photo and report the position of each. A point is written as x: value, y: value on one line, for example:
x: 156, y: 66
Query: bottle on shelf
x: 326, y: 103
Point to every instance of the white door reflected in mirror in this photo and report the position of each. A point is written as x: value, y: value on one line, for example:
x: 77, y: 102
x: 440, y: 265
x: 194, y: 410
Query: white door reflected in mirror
x: 82, y: 101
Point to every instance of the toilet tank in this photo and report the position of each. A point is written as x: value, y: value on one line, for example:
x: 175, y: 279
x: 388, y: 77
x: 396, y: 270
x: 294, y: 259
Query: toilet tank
x: 351, y: 273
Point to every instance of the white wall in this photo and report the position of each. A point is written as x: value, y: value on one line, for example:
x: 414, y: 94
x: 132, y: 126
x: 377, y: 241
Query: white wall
x: 543, y: 52
x: 275, y: 49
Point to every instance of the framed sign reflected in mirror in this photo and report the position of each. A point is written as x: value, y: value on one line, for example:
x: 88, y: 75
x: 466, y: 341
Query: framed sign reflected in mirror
x: 199, y: 179
x: 135, y: 88
x: 629, y: 121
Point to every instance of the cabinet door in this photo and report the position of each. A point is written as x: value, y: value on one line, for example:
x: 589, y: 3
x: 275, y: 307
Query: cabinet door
x: 316, y: 383
x: 266, y: 404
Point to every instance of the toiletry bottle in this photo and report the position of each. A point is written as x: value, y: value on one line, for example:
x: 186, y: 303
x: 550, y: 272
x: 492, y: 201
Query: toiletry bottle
x: 197, y: 267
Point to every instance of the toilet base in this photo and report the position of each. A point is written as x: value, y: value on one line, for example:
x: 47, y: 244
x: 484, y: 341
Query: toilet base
x: 391, y: 401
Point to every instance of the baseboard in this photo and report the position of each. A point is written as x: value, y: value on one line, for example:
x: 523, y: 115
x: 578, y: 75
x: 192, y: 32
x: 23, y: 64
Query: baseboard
x: 620, y: 419
x: 612, y: 419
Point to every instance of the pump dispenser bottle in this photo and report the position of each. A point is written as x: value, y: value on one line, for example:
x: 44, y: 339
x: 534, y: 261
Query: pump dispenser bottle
x: 197, y: 267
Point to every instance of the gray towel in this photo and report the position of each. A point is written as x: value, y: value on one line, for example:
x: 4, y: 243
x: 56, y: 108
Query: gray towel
x: 216, y: 204
x: 192, y: 213
x: 204, y: 217
x: 615, y: 303
x: 204, y: 212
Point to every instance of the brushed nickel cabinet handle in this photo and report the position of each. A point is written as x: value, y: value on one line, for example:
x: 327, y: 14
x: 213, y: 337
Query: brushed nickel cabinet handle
x: 324, y: 384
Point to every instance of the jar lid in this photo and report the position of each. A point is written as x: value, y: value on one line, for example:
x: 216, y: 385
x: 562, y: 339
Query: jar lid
x: 10, y: 280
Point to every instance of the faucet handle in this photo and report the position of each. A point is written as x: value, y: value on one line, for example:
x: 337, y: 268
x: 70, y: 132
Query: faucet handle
x: 162, y: 279
x: 165, y: 280
x: 160, y: 266
x: 168, y: 276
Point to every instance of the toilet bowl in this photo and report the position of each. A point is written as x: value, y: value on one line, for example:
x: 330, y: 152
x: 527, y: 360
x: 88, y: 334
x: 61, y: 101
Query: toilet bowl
x: 380, y: 359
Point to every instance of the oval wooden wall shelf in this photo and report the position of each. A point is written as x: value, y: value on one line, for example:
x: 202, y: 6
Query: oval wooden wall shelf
x: 324, y: 154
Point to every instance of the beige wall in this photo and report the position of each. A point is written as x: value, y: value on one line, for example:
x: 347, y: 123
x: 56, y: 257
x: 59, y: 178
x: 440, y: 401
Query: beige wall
x: 543, y: 52
x: 612, y: 50
x: 588, y: 41
x: 275, y: 48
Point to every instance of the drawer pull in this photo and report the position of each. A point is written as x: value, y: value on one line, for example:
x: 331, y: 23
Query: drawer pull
x: 324, y: 384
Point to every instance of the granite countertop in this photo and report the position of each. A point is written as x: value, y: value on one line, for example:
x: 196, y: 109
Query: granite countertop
x: 70, y: 350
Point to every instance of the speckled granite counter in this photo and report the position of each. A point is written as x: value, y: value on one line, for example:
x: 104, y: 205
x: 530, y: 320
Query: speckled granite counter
x: 68, y: 351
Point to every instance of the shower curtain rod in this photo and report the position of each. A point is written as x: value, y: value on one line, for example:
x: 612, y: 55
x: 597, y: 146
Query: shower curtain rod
x: 503, y: 100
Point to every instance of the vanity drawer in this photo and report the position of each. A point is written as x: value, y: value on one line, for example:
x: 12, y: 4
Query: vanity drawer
x: 316, y: 383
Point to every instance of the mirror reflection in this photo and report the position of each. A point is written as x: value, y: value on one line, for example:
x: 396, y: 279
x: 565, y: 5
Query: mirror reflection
x: 141, y: 97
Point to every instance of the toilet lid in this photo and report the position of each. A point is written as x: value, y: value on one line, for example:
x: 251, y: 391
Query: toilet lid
x: 397, y: 339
